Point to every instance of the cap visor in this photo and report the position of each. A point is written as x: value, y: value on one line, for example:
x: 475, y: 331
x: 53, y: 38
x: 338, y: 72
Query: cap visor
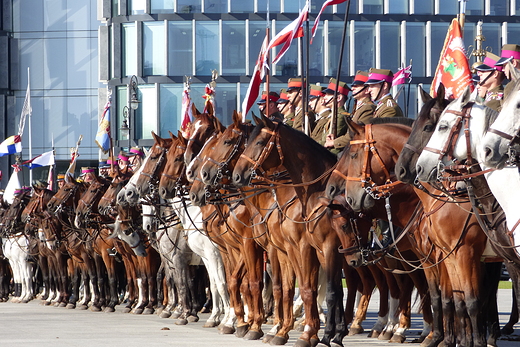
x: 484, y: 67
x: 503, y: 61
x: 374, y: 81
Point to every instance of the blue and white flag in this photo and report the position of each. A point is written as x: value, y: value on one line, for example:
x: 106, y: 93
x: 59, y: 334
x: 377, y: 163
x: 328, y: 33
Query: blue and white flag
x: 45, y: 159
x: 103, y: 133
x: 11, y: 145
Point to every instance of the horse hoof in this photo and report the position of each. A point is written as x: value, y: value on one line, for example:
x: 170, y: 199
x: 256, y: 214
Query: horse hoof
x: 253, y: 335
x: 126, y: 310
x: 302, y: 343
x: 398, y: 338
x: 205, y: 310
x: 267, y: 338
x: 227, y: 330
x: 193, y: 319
x: 148, y: 310
x: 62, y: 304
x: 159, y: 310
x: 279, y: 341
x: 94, y: 308
x: 209, y: 324
x: 109, y: 309
x: 82, y: 307
x: 374, y: 334
x: 70, y: 306
x: 242, y: 330
x: 46, y: 303
x: 176, y: 314
x: 165, y: 314
x: 137, y: 310
x: 314, y: 341
x: 387, y: 335
x: 299, y: 327
x: 335, y: 344
x: 181, y: 321
x: 356, y: 330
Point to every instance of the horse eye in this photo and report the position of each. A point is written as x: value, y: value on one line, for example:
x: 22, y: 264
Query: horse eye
x: 179, y: 158
x: 227, y: 142
x: 353, y: 155
x: 345, y: 228
x: 428, y: 128
x: 443, y: 127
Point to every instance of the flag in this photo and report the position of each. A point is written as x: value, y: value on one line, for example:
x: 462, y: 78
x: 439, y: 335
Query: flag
x: 210, y: 98
x: 45, y: 159
x: 26, y: 109
x: 74, y: 154
x: 404, y: 75
x: 103, y: 133
x: 12, y: 185
x: 186, y: 111
x: 11, y: 145
x: 453, y: 69
x: 50, y: 179
x: 290, y: 32
x: 323, y: 7
x: 256, y: 80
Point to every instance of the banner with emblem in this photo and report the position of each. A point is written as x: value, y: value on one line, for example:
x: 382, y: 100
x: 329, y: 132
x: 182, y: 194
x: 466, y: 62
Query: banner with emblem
x: 453, y: 69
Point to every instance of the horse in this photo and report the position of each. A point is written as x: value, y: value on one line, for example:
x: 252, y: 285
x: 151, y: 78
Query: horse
x: 52, y: 257
x: 320, y: 244
x: 500, y: 143
x: 15, y: 247
x: 192, y: 226
x: 500, y: 232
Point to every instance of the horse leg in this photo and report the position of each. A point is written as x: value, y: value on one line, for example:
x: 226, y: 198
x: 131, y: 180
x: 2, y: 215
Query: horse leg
x: 73, y: 273
x: 253, y: 258
x: 514, y: 273
x: 490, y: 282
x: 359, y: 278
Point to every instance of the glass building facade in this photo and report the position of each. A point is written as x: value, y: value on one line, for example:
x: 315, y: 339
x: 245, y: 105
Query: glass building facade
x: 79, y: 51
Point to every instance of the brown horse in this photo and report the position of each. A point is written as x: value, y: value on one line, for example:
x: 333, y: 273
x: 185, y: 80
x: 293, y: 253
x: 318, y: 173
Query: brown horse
x: 385, y: 142
x: 271, y: 145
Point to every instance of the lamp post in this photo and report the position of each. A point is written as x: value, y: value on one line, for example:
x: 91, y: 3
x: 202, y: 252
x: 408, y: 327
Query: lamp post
x: 129, y: 111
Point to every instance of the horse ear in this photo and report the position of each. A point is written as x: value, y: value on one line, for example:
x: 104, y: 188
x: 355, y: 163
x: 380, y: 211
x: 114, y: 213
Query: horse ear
x: 194, y: 111
x: 237, y: 119
x: 257, y: 120
x: 172, y: 136
x: 210, y: 110
x: 181, y: 138
x: 466, y: 96
x: 218, y: 125
x: 441, y: 92
x: 424, y: 96
x: 354, y: 128
x: 156, y: 138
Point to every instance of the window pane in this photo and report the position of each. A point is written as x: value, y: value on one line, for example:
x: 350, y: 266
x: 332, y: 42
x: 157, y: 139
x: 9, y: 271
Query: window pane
x: 493, y: 34
x: 288, y: 65
x: 122, y: 101
x: 448, y: 7
x: 398, y: 6
x: 341, y: 8
x: 499, y: 7
x: 274, y: 6
x: 146, y: 115
x: 170, y: 108
x: 162, y: 6
x: 423, y: 6
x: 129, y: 49
x: 292, y: 6
x: 189, y: 6
x: 475, y: 7
x: 234, y: 56
x: 364, y: 46
x: 390, y: 49
x: 513, y: 31
x: 241, y: 6
x: 180, y: 48
x: 438, y: 32
x: 334, y: 47
x: 416, y: 47
x: 215, y: 6
x: 373, y: 6
x: 316, y: 54
x: 408, y: 100
x: 206, y: 47
x: 256, y: 38
x: 136, y: 6
x: 153, y: 48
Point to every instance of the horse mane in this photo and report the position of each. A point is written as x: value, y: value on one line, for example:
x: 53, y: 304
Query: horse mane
x: 393, y: 120
x: 490, y: 116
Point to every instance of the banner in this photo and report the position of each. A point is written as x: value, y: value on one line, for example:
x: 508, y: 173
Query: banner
x: 186, y: 112
x: 402, y: 76
x: 453, y: 69
x: 45, y: 159
x: 103, y: 133
x: 11, y: 145
x: 323, y: 7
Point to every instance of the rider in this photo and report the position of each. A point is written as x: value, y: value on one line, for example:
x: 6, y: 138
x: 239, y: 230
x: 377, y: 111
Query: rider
x: 490, y: 88
x: 270, y: 109
x: 88, y: 174
x: 510, y: 53
x: 363, y: 110
x: 283, y: 104
x: 136, y: 156
x: 379, y: 83
x: 60, y: 179
x: 296, y: 118
x: 103, y: 168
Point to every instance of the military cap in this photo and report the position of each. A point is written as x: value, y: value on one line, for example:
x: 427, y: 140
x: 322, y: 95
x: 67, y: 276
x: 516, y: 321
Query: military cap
x: 39, y: 184
x: 283, y: 96
x: 376, y: 76
x: 60, y: 177
x: 489, y: 63
x: 136, y: 151
x: 123, y: 156
x: 294, y: 83
x: 342, y: 87
x: 22, y: 190
x: 509, y: 52
x: 273, y: 96
x: 315, y: 91
x: 86, y: 170
x: 360, y: 78
x: 111, y: 161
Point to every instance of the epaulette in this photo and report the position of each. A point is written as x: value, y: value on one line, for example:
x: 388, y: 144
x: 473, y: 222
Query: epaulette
x: 390, y: 103
x: 494, y: 96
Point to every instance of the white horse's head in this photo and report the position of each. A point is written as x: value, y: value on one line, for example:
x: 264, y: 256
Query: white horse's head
x: 130, y: 236
x: 128, y: 194
x: 496, y: 143
x: 447, y: 145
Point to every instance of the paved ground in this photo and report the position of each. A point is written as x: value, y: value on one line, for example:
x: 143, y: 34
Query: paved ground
x: 43, y: 326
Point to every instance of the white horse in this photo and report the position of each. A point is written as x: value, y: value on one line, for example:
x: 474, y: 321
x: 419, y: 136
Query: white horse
x: 16, y: 249
x: 496, y: 143
x: 504, y: 184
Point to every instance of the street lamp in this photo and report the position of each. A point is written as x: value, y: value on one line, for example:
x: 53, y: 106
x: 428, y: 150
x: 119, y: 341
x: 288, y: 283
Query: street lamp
x: 125, y: 129
x: 132, y: 86
x: 129, y: 111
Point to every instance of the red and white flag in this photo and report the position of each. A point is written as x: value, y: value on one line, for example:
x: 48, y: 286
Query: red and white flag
x: 323, y: 7
x: 402, y: 76
x: 186, y: 111
x: 290, y: 32
x: 256, y: 80
x: 453, y: 69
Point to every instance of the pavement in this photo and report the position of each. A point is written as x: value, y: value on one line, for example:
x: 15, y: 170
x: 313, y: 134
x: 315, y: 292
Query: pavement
x: 32, y: 324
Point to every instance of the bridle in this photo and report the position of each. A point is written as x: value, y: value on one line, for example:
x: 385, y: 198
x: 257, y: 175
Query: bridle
x: 371, y: 188
x: 511, y: 152
x: 274, y: 140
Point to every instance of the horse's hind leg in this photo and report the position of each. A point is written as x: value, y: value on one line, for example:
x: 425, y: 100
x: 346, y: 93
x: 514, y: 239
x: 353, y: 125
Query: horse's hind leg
x: 514, y: 273
x: 489, y: 302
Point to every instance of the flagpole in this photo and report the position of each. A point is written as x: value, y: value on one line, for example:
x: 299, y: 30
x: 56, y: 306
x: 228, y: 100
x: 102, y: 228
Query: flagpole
x: 30, y: 126
x: 408, y: 92
x: 333, y: 121
x: 307, y: 59
x: 267, y: 60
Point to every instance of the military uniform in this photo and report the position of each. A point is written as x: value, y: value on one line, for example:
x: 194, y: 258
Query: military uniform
x: 363, y: 113
x: 387, y: 107
x: 296, y: 120
x: 494, y: 98
x: 276, y: 117
x: 323, y: 123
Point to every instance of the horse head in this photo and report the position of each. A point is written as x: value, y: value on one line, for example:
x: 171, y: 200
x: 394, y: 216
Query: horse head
x: 126, y: 230
x: 200, y: 130
x: 67, y: 195
x: 501, y: 142
x: 174, y: 172
x: 422, y: 129
x: 88, y: 202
